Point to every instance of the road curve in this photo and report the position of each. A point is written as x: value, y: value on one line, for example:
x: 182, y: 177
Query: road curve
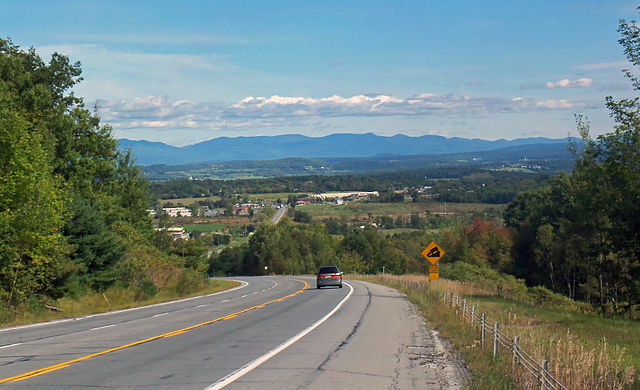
x: 273, y: 333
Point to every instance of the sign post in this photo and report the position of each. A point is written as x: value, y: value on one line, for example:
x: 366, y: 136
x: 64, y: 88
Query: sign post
x: 433, y: 253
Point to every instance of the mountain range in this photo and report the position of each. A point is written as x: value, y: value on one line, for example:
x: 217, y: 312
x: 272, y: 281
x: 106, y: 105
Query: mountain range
x: 295, y: 145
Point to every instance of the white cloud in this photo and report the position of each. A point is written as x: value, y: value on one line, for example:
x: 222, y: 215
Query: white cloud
x: 566, y: 83
x: 383, y: 105
x: 158, y: 112
x: 562, y: 104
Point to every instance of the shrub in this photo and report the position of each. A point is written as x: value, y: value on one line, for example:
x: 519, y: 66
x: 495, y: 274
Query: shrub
x: 504, y: 285
x: 547, y: 298
x: 189, y: 281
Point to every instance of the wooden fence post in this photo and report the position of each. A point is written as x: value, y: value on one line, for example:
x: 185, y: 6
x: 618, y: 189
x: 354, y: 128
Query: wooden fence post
x: 483, y: 323
x: 514, y: 360
x: 543, y: 374
x: 464, y: 310
x: 473, y: 314
x: 496, y: 332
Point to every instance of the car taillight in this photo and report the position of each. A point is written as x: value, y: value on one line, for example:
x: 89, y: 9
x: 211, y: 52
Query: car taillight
x: 336, y: 276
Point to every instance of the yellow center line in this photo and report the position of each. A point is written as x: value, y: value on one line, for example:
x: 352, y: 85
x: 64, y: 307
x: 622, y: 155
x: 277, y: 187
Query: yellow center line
x: 59, y: 366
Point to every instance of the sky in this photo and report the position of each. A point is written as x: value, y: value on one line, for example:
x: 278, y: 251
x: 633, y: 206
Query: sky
x: 181, y: 72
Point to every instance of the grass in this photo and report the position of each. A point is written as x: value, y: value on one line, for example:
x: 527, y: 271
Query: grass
x: 393, y: 232
x: 584, y: 350
x: 204, y: 227
x: 187, y: 201
x: 273, y: 197
x: 357, y: 210
x: 112, y: 299
x: 360, y: 210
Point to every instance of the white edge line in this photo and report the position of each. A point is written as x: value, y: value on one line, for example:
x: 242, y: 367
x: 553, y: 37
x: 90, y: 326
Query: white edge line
x: 103, y: 327
x: 239, y: 373
x: 10, y: 345
x: 242, y: 285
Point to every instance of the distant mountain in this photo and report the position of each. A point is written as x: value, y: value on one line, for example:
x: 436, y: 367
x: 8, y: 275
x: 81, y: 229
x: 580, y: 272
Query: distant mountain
x: 549, y: 158
x: 331, y: 146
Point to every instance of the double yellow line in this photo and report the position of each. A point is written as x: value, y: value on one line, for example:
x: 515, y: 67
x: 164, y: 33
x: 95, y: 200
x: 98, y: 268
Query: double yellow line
x: 59, y: 366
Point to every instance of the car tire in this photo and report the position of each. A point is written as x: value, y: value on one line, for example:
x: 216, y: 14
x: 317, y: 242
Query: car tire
x: 340, y: 285
x: 318, y: 287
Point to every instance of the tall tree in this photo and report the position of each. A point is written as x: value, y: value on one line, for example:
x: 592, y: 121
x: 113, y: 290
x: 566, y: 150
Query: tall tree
x: 64, y: 187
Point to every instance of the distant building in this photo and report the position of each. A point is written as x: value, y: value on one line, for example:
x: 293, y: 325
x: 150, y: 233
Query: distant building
x: 245, y: 208
x: 177, y: 211
x: 305, y: 201
x: 207, y: 212
x: 341, y: 195
x: 176, y: 232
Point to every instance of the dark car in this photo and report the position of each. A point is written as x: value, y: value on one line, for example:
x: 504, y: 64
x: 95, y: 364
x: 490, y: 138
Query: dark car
x: 329, y: 276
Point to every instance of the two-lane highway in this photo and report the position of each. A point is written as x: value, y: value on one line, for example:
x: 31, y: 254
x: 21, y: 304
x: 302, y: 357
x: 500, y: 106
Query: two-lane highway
x: 273, y: 332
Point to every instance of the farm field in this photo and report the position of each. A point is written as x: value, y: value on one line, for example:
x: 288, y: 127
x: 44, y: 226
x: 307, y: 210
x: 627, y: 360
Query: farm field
x: 205, y: 227
x: 186, y: 201
x: 270, y: 197
x: 360, y: 210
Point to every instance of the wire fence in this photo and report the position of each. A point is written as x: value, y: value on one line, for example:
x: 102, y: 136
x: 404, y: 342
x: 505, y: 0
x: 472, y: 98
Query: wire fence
x: 526, y: 369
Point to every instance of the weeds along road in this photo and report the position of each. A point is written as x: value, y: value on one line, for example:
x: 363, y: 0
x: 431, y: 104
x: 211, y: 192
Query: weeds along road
x: 270, y: 333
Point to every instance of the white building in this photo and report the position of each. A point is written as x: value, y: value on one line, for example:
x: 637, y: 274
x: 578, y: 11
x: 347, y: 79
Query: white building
x: 178, y: 233
x: 340, y: 195
x: 177, y: 211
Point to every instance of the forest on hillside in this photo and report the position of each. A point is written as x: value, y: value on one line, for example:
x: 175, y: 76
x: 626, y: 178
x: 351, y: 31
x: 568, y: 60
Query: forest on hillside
x: 72, y: 207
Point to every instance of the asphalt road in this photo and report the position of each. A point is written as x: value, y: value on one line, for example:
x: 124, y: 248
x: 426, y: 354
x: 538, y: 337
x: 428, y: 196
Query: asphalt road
x: 279, y: 214
x: 271, y: 333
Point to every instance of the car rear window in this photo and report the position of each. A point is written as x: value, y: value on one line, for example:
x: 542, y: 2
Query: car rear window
x: 329, y: 270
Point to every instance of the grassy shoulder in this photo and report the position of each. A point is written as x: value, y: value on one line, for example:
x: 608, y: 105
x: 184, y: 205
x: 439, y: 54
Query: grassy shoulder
x: 111, y: 299
x: 584, y: 350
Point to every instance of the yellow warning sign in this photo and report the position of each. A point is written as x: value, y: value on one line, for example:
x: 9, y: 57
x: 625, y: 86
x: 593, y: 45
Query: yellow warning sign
x: 433, y: 269
x: 433, y: 252
x: 433, y: 276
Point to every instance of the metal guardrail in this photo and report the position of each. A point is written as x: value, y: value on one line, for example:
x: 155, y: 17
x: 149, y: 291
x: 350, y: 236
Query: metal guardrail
x: 538, y: 371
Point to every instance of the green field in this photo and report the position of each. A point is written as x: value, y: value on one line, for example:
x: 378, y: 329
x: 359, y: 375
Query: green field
x: 393, y: 232
x: 359, y: 210
x: 187, y: 201
x: 270, y: 197
x: 204, y: 227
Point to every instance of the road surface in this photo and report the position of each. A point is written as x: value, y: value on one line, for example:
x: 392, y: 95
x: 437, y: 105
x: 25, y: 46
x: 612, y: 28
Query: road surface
x: 271, y: 333
x: 279, y: 214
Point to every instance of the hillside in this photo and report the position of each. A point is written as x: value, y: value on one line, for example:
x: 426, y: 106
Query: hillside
x: 294, y: 145
x: 533, y: 158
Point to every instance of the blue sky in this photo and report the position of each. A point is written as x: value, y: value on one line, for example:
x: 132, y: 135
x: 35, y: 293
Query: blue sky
x: 182, y: 72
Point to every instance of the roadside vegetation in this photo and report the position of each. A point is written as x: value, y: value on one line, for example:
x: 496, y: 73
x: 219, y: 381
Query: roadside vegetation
x: 584, y: 350
x: 75, y: 235
x: 114, y: 298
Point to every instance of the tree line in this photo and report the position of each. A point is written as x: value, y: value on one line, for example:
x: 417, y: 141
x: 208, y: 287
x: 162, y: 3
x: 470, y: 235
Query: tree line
x: 580, y: 235
x: 448, y: 184
x: 72, y: 207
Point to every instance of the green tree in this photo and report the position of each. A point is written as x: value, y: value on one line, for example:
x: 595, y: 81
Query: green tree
x: 32, y: 210
x: 55, y: 152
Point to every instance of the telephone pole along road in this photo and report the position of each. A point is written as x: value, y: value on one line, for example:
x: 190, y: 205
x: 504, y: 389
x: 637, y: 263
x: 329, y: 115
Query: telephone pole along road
x: 273, y: 333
